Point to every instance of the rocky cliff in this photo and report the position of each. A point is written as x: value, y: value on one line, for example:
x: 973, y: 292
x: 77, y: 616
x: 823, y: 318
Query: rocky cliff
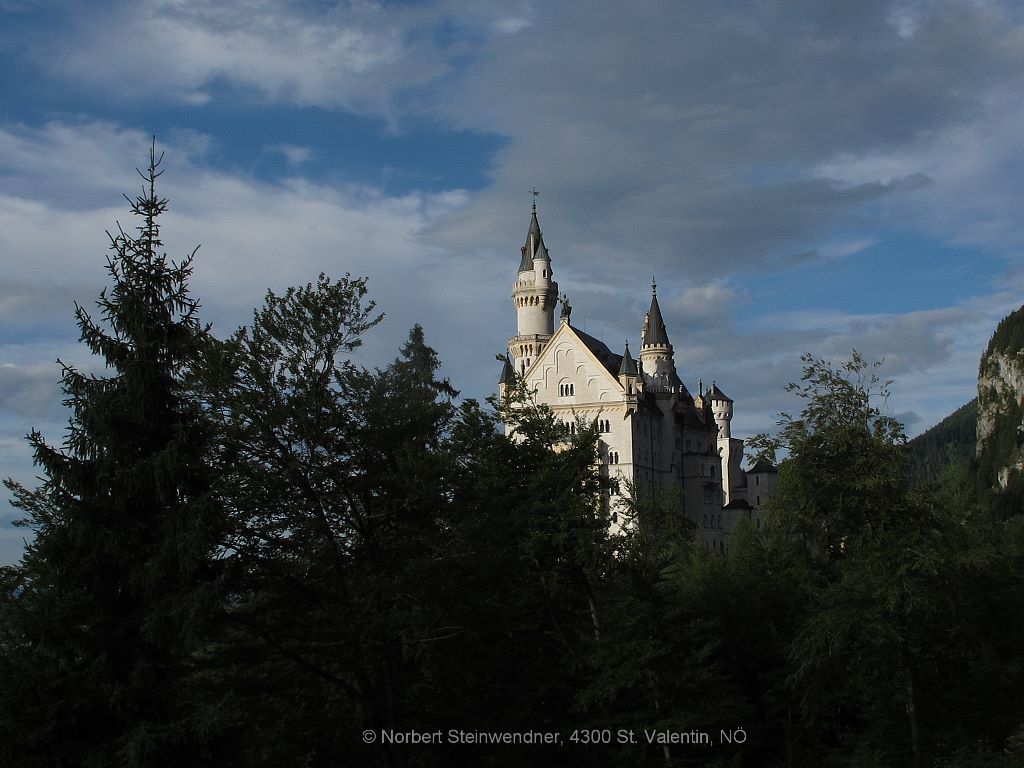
x: 1001, y: 407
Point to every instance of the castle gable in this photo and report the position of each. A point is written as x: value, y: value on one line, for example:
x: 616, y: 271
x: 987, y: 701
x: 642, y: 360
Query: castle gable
x: 575, y: 369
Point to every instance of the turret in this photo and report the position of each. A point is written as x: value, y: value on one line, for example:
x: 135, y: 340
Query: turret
x: 629, y: 375
x: 656, y: 357
x: 534, y: 295
x: 721, y: 407
x: 507, y: 379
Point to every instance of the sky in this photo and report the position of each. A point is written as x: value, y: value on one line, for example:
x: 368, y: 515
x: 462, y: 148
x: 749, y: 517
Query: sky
x: 799, y: 176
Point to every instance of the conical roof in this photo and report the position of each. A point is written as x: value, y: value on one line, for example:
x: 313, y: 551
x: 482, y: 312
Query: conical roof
x: 507, y: 373
x: 654, y: 330
x: 534, y: 247
x: 716, y: 394
x: 628, y: 367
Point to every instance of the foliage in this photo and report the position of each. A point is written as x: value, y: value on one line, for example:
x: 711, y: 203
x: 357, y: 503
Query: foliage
x: 846, y: 457
x: 107, y: 615
x: 1008, y: 336
x: 904, y: 585
x: 952, y: 440
x: 251, y: 551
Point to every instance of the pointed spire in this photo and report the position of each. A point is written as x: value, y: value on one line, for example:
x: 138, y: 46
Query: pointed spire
x: 534, y: 247
x: 507, y: 372
x: 654, y: 325
x: 628, y: 367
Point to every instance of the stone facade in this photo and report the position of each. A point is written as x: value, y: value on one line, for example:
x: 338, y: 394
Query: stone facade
x: 654, y: 433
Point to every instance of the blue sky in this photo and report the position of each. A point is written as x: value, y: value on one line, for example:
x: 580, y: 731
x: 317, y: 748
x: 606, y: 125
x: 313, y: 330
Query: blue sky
x: 800, y: 176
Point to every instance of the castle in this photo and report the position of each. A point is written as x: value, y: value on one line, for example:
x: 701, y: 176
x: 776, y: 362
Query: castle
x: 653, y: 433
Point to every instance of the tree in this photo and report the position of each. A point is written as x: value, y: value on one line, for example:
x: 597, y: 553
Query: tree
x: 404, y: 565
x: 847, y: 463
x: 904, y: 653
x: 108, y: 613
x: 288, y: 409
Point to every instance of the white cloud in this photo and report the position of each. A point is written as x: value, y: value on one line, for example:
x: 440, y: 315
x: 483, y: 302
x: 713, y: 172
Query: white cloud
x: 352, y: 55
x: 294, y: 155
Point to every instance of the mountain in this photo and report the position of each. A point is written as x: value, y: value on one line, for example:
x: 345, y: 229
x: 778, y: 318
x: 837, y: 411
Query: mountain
x: 952, y: 440
x: 1001, y: 410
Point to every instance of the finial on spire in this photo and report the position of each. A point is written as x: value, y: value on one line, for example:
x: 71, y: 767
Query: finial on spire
x: 700, y: 387
x: 536, y: 194
x: 654, y: 286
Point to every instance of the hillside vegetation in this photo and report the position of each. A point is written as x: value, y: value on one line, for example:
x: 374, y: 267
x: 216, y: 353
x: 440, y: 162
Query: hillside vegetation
x: 951, y: 441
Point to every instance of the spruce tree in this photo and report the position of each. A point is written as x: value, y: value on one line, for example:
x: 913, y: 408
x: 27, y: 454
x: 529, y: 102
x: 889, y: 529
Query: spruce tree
x: 107, y: 614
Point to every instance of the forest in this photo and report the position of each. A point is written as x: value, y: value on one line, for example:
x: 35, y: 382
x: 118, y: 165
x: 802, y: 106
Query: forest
x: 252, y: 551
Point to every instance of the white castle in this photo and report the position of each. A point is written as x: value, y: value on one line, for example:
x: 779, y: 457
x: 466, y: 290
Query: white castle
x: 654, y: 433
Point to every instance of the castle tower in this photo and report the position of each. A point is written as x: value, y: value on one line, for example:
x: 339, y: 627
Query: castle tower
x: 729, y: 448
x: 629, y: 375
x: 721, y: 407
x: 656, y: 357
x: 534, y: 295
x: 507, y: 378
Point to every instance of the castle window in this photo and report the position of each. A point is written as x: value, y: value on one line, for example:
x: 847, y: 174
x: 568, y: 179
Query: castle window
x: 712, y: 471
x: 757, y: 479
x: 704, y: 524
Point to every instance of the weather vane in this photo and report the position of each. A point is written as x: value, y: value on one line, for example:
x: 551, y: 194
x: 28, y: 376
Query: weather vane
x: 536, y: 194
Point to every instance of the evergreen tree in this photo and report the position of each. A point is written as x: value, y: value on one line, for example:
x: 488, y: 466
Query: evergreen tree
x: 108, y: 613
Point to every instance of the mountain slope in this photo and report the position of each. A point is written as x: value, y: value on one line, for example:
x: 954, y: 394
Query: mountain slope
x: 952, y: 440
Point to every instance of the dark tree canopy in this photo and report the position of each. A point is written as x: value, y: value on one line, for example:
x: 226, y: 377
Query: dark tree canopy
x: 252, y: 551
